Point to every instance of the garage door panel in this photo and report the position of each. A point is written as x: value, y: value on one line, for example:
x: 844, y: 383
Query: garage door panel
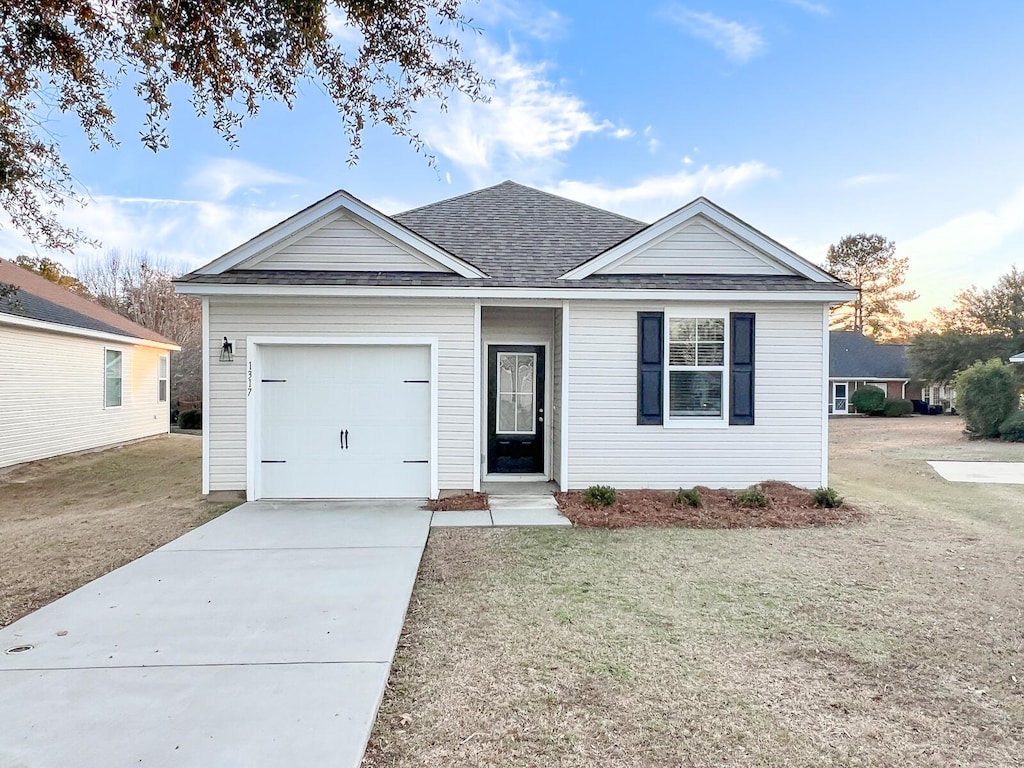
x: 374, y: 393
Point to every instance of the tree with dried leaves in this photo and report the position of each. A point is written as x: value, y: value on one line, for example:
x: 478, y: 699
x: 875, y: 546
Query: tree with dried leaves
x: 53, y: 271
x: 229, y: 56
x: 869, y: 263
x: 140, y: 288
x: 984, y: 323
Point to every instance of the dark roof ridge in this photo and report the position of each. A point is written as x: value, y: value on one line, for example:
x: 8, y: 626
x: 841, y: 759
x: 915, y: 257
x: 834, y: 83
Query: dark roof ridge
x: 510, y: 182
x: 471, y: 193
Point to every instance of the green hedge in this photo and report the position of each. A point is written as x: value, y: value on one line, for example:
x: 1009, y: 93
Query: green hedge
x: 986, y: 396
x: 1012, y: 429
x: 898, y: 407
x: 870, y: 400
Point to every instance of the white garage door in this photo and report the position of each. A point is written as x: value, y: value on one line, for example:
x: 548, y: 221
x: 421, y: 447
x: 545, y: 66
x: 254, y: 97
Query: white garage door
x: 344, y: 422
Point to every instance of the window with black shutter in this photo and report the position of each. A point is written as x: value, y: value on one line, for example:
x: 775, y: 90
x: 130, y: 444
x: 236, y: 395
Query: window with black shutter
x: 705, y: 364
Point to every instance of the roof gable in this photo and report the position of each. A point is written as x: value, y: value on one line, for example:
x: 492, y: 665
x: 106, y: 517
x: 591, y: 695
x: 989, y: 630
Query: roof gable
x: 697, y: 246
x: 853, y: 355
x: 38, y: 299
x: 751, y: 248
x: 511, y: 231
x: 325, y: 212
x: 344, y: 242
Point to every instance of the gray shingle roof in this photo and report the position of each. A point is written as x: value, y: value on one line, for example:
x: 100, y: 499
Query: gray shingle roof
x: 854, y: 355
x: 514, y: 232
x: 435, y: 279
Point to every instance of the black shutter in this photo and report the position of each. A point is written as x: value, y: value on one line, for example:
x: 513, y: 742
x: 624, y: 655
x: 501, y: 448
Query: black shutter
x: 649, y: 367
x: 741, y: 368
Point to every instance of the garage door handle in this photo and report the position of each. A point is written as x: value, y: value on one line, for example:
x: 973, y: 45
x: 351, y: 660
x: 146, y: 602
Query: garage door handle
x: 343, y: 439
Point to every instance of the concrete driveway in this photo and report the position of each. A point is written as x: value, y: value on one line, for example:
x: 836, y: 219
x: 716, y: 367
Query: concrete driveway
x: 263, y: 638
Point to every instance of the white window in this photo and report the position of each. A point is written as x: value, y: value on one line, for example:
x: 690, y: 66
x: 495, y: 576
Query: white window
x: 112, y: 378
x: 696, y: 355
x: 517, y: 391
x: 162, y: 380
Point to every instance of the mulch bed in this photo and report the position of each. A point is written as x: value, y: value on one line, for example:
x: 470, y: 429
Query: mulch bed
x: 788, y: 507
x: 462, y: 502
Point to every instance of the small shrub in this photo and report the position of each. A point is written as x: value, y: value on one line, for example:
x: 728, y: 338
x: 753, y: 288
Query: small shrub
x: 752, y: 497
x: 826, y: 497
x: 190, y: 419
x: 1012, y: 430
x: 599, y: 495
x: 870, y: 400
x: 898, y: 408
x: 986, y: 396
x: 690, y: 498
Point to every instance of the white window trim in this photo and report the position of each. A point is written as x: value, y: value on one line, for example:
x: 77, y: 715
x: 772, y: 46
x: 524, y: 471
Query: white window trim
x: 120, y: 376
x: 695, y: 422
x: 165, y: 363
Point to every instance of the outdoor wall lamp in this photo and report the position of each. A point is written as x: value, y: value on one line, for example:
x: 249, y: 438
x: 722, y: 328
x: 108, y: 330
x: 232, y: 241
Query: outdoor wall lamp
x: 227, y: 351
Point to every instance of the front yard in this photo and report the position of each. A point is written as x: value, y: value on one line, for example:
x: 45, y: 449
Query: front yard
x: 896, y: 641
x: 69, y: 520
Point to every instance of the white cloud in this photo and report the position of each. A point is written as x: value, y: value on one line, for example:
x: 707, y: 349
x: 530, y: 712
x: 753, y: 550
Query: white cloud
x: 866, y: 179
x: 818, y: 9
x: 687, y: 160
x: 973, y: 248
x: 623, y: 133
x: 524, y: 128
x: 220, y: 178
x: 179, y: 232
x: 653, y: 197
x: 526, y: 16
x: 738, y: 42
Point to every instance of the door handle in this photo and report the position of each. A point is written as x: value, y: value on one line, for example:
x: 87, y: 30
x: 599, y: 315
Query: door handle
x: 346, y: 439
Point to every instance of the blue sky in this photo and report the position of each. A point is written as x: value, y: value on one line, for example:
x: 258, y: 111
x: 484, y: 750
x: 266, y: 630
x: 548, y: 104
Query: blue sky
x: 809, y: 119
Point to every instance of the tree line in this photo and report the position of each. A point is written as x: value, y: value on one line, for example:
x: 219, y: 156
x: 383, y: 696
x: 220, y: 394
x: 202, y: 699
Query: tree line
x: 982, y: 324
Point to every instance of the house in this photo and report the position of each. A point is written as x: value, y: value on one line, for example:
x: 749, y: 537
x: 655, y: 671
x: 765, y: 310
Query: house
x: 510, y: 334
x: 1018, y: 358
x: 73, y: 375
x: 857, y: 361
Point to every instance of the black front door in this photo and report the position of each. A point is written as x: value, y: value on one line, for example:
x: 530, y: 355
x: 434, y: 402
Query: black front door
x: 515, y: 409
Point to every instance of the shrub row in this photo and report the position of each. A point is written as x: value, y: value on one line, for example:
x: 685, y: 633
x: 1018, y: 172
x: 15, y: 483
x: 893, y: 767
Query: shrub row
x: 872, y: 401
x: 605, y: 495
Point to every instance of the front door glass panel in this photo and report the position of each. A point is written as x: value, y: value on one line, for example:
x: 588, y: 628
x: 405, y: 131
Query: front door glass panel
x: 517, y: 392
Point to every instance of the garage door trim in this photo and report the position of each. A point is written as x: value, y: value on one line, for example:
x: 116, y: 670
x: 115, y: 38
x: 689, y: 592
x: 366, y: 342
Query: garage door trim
x: 253, y: 372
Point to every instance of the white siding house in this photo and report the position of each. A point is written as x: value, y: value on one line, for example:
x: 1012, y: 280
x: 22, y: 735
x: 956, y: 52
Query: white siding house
x: 509, y: 334
x: 74, y: 376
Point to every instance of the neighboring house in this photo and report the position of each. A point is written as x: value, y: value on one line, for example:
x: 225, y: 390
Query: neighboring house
x: 1018, y: 358
x: 857, y: 361
x: 511, y: 334
x: 74, y: 375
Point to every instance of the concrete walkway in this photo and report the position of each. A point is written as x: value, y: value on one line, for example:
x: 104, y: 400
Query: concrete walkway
x: 505, y: 510
x: 1009, y: 472
x: 264, y: 638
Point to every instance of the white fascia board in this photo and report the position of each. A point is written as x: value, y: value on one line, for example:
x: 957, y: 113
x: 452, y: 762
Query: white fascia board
x: 314, y: 213
x: 482, y: 292
x: 1017, y: 358
x: 70, y: 330
x: 728, y: 222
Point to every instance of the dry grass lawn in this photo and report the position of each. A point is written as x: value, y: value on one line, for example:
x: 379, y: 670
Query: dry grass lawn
x: 66, y: 521
x: 898, y: 641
